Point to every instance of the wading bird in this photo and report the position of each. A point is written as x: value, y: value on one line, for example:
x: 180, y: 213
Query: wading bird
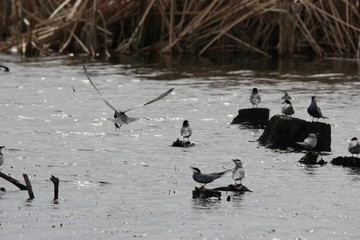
x: 255, y: 97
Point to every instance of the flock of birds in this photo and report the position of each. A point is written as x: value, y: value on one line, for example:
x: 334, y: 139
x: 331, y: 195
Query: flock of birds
x: 238, y: 172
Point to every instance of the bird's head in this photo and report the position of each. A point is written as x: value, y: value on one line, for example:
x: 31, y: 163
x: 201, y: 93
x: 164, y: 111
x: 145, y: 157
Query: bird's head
x: 354, y: 139
x: 186, y: 123
x: 195, y: 170
x: 255, y: 90
x: 1, y: 147
x: 313, y: 97
x: 238, y: 162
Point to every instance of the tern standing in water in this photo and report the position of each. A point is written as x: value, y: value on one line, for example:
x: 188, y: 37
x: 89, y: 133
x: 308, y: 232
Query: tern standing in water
x: 185, y: 130
x: 255, y: 97
x: 120, y: 116
x: 354, y: 146
x: 238, y: 172
x: 1, y: 156
x: 288, y: 108
x: 309, y: 142
x: 206, y: 178
x: 314, y: 110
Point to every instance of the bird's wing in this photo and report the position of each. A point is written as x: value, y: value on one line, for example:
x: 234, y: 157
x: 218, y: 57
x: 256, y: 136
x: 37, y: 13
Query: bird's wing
x: 154, y: 100
x: 103, y: 97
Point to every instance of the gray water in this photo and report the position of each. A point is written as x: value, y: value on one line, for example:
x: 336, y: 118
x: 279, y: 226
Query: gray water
x: 132, y: 184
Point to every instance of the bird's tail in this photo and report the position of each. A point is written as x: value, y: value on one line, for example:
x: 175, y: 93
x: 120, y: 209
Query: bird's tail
x: 224, y: 172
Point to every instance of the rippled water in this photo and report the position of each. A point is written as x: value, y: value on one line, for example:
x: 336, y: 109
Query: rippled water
x: 132, y: 183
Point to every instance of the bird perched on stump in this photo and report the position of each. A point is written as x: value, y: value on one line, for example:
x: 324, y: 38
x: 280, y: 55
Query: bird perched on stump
x: 238, y: 172
x: 185, y: 130
x: 288, y: 108
x: 1, y: 156
x: 314, y: 110
x: 255, y: 97
x: 206, y: 178
x: 309, y: 142
x: 354, y: 146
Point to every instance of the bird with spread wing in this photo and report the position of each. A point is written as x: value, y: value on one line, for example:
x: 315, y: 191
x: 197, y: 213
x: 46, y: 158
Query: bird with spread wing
x: 120, y: 116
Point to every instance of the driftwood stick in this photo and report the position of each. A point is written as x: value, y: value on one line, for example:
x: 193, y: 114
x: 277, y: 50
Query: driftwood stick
x: 29, y: 187
x: 13, y: 181
x: 55, y: 181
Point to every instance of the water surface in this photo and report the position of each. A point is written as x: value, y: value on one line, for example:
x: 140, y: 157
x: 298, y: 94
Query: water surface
x: 131, y: 183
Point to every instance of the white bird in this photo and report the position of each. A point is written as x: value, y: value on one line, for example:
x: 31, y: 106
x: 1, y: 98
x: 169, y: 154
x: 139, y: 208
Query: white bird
x: 200, y: 177
x: 238, y: 172
x: 120, y: 117
x: 288, y: 108
x: 354, y: 146
x: 255, y: 97
x: 286, y: 96
x: 314, y: 110
x: 185, y: 130
x: 309, y: 142
x: 1, y: 156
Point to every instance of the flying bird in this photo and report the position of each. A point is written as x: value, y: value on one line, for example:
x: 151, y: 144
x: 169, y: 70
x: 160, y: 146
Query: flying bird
x: 185, y: 130
x: 1, y: 156
x: 238, y: 172
x: 288, y: 108
x: 120, y: 116
x: 206, y: 178
x: 314, y: 110
x: 309, y: 142
x: 255, y: 97
x: 354, y: 146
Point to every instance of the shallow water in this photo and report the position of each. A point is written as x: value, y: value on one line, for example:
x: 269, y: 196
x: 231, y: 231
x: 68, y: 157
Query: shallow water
x: 132, y: 183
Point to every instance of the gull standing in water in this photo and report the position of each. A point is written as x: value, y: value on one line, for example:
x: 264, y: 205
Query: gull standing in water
x: 206, y: 178
x: 1, y: 156
x: 288, y: 108
x: 185, y: 130
x: 314, y: 110
x: 354, y: 146
x: 238, y: 172
x: 255, y: 97
x: 309, y: 142
x: 120, y: 116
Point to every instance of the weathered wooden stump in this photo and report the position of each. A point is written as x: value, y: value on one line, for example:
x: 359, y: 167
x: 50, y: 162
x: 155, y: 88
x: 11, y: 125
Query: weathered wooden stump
x: 284, y: 131
x: 346, y: 161
x: 184, y: 144
x: 252, y: 117
x: 310, y: 158
x: 216, y: 192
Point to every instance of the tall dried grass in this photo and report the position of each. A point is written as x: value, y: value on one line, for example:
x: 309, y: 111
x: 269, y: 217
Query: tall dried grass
x: 285, y: 27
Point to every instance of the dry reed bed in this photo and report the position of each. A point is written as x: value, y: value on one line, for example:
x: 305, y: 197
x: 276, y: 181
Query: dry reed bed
x: 323, y: 27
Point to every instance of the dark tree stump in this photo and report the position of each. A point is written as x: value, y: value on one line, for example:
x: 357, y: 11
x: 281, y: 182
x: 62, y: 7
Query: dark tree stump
x: 252, y: 117
x: 216, y: 192
x: 346, y: 161
x: 310, y: 158
x: 284, y: 131
x: 180, y: 143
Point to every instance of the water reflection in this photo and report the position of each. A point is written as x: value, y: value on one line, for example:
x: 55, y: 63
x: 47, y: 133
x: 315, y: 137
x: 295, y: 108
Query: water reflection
x: 206, y: 204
